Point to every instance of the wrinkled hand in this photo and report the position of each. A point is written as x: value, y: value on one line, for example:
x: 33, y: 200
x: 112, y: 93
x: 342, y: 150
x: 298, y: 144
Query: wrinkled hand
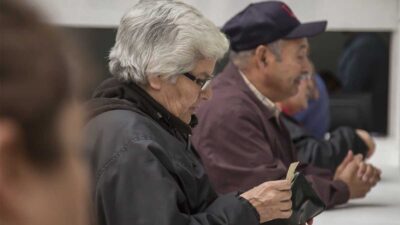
x: 369, y: 174
x: 359, y: 176
x: 366, y: 137
x: 271, y: 199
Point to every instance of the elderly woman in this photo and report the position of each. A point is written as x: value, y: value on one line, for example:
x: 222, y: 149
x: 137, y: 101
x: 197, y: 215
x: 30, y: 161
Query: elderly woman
x: 145, y: 169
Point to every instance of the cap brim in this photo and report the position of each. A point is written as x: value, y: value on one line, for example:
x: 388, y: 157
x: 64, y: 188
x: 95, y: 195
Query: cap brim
x: 307, y: 30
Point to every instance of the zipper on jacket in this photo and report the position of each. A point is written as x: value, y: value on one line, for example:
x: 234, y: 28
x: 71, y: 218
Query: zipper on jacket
x: 188, y: 142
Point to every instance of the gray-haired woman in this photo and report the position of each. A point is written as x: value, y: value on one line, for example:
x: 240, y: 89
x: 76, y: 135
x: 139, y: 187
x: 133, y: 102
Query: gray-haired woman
x: 145, y: 169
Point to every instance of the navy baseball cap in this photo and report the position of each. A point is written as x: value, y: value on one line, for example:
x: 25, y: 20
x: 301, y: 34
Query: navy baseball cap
x: 265, y: 22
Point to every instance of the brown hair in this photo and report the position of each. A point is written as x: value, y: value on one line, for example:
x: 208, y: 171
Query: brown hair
x: 34, y: 79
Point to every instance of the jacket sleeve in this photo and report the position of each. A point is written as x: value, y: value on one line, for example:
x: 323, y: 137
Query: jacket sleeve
x: 324, y: 153
x: 332, y: 192
x: 135, y: 188
x: 350, y: 137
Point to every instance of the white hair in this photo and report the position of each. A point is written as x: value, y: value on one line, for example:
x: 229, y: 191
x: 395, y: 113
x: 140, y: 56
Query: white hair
x: 275, y: 48
x: 242, y: 59
x: 164, y: 38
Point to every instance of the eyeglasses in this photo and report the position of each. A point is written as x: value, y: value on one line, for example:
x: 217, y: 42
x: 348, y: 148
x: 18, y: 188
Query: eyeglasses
x: 203, y: 83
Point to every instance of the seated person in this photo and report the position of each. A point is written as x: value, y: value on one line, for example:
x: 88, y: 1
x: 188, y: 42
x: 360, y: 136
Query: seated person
x: 316, y: 117
x: 324, y: 153
x: 43, y: 180
x: 145, y: 169
x: 364, y: 68
x: 240, y: 136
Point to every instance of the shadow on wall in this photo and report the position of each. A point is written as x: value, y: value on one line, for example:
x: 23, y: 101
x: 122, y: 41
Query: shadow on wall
x: 96, y: 43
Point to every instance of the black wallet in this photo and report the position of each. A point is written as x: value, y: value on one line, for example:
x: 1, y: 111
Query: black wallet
x: 305, y: 203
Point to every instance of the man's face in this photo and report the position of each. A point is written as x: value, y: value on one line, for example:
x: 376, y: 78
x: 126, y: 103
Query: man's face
x: 183, y: 97
x: 285, y: 73
x: 299, y: 101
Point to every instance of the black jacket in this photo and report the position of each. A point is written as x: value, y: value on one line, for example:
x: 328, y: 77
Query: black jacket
x: 324, y: 153
x: 145, y: 170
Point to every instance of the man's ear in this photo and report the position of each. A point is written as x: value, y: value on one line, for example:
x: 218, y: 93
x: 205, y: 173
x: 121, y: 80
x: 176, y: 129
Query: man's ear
x: 155, y: 82
x: 10, y: 164
x: 261, y: 56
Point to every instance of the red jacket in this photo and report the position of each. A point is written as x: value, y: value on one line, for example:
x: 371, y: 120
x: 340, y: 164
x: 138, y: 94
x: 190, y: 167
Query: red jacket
x: 241, y: 144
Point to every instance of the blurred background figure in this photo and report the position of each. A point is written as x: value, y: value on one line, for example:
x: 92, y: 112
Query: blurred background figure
x: 43, y: 180
x: 354, y: 67
x: 363, y: 68
x: 315, y: 116
x: 322, y: 152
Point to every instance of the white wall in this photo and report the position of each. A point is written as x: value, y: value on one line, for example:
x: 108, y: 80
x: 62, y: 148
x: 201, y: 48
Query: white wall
x: 342, y: 14
x: 373, y: 15
x: 395, y: 82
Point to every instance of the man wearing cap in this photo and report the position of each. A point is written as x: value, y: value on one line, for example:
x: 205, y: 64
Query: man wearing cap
x: 240, y: 137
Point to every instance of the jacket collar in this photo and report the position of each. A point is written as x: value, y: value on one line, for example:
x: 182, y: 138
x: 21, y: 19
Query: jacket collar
x: 115, y: 94
x: 232, y: 74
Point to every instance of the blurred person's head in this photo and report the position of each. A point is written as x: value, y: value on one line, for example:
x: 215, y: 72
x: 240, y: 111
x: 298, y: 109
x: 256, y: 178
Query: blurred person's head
x: 299, y: 102
x: 43, y: 180
x: 170, y: 49
x: 307, y: 91
x: 269, y: 44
